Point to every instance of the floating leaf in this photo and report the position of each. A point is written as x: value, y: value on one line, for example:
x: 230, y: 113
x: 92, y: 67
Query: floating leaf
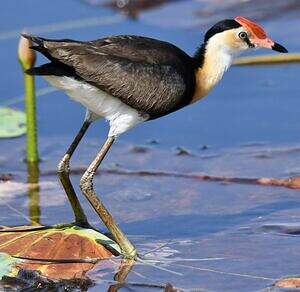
x: 7, y: 265
x: 12, y: 123
x: 56, y: 252
x: 288, y: 283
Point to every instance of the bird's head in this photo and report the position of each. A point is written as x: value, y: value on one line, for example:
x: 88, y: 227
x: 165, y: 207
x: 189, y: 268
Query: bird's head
x: 240, y: 34
x: 222, y: 44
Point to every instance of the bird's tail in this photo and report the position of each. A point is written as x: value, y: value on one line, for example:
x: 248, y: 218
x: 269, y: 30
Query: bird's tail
x: 55, y: 67
x: 37, y: 40
x: 39, y: 46
x: 45, y: 69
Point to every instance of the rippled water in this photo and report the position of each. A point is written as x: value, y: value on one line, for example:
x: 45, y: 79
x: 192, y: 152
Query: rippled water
x: 211, y: 235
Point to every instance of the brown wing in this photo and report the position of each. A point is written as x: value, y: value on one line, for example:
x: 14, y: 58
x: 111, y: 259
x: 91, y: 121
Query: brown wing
x: 151, y: 76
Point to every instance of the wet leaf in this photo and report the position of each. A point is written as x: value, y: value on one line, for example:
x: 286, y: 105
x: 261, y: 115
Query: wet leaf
x: 7, y: 264
x: 57, y: 252
x: 12, y: 123
x: 288, y: 283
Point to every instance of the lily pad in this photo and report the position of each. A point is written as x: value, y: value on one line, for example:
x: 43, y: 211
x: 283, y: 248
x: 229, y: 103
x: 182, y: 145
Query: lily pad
x: 56, y: 252
x: 7, y: 265
x: 12, y: 123
x: 288, y: 283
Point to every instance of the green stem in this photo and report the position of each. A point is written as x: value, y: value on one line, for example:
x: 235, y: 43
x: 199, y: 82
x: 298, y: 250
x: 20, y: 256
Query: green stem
x: 34, y: 193
x: 30, y: 109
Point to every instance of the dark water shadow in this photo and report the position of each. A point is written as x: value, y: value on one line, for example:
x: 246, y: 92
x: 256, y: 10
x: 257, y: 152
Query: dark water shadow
x: 27, y: 280
x: 292, y: 229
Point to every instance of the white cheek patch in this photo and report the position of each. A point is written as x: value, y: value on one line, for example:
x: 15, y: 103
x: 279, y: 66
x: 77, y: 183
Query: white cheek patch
x: 240, y: 45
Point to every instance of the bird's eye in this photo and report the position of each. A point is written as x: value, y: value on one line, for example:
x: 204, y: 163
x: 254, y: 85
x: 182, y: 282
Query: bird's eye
x: 242, y: 35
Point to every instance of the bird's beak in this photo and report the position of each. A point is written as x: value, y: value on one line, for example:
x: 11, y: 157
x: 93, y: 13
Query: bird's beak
x: 279, y: 48
x: 268, y: 43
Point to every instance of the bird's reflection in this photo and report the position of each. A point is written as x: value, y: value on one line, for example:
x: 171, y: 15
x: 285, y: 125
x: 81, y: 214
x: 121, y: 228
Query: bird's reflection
x: 125, y: 268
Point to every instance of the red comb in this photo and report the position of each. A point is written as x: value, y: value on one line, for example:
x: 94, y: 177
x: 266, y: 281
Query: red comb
x: 256, y: 29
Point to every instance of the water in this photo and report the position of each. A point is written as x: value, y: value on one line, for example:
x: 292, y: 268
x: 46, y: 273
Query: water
x: 249, y: 124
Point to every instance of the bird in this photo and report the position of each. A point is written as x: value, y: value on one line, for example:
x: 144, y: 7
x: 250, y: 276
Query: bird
x: 128, y: 80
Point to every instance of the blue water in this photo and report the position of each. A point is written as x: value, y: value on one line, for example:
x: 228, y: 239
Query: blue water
x: 250, y: 123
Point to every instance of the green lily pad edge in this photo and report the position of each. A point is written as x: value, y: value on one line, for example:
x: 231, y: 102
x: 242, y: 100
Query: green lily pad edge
x: 12, y: 123
x: 7, y: 266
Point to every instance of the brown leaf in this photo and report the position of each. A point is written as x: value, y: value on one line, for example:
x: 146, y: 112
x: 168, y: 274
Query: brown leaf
x: 58, y: 253
x: 288, y: 283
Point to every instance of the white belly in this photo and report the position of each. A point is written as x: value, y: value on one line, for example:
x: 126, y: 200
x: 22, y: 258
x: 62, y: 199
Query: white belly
x: 120, y: 116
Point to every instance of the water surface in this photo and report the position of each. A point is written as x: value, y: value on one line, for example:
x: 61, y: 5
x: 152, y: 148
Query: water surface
x: 248, y: 126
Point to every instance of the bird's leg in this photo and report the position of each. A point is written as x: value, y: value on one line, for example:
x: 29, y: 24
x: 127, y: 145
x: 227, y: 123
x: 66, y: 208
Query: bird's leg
x: 63, y: 173
x: 86, y: 185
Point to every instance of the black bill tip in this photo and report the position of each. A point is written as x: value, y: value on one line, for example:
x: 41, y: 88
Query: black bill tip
x: 279, y: 48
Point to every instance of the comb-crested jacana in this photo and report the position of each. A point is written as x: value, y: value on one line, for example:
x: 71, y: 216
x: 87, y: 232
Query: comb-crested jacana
x: 132, y: 79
